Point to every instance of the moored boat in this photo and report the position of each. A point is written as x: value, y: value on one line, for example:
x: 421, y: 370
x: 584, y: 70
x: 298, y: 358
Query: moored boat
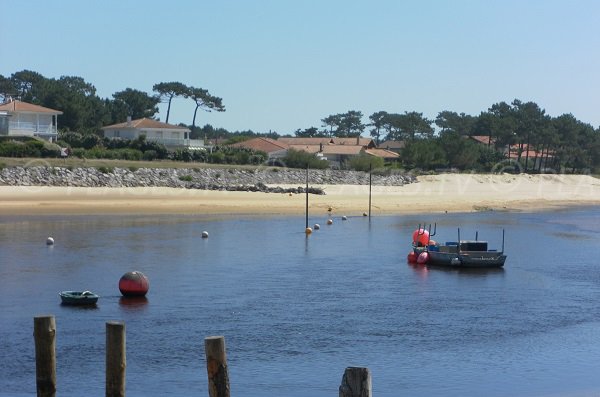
x: 462, y: 253
x: 79, y: 298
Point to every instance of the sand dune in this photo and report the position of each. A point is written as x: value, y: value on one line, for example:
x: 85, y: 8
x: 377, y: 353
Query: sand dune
x: 434, y: 193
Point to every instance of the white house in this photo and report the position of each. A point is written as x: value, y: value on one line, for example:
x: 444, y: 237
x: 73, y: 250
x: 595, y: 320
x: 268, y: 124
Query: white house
x: 26, y: 119
x: 153, y: 130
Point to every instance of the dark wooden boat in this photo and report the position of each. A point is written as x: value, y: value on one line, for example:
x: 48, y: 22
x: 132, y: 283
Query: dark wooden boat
x: 465, y: 254
x: 78, y: 298
x: 462, y: 253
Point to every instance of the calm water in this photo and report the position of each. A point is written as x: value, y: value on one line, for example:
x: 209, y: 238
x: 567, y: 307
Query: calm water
x: 295, y: 312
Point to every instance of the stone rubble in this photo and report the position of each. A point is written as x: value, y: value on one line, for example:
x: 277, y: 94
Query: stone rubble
x: 260, y: 179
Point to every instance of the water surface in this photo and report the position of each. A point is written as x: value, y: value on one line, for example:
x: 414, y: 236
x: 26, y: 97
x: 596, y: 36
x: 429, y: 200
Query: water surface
x: 296, y: 311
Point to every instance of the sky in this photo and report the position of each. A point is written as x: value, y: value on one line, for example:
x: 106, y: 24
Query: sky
x: 283, y: 65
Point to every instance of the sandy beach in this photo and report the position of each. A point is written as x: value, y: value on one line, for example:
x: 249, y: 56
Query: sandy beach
x: 434, y: 193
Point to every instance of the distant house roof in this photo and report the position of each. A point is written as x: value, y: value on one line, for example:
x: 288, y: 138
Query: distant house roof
x: 392, y: 145
x: 330, y: 149
x: 144, y: 123
x: 266, y: 145
x: 24, y: 107
x: 383, y: 153
x: 484, y: 139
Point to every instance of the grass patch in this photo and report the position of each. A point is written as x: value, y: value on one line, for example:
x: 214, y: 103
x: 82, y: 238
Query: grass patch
x: 105, y: 170
x: 185, y: 178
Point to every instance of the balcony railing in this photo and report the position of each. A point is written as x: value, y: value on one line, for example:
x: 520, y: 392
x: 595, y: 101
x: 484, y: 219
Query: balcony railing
x: 31, y: 128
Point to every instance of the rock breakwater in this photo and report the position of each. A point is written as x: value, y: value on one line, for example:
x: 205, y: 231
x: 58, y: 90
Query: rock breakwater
x: 261, y: 179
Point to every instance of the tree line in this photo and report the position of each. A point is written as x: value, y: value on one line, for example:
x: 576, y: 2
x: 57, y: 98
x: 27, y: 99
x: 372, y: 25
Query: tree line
x: 522, y: 128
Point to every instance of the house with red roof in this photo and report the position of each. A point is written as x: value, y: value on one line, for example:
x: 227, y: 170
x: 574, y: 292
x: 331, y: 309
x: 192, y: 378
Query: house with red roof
x: 273, y: 148
x: 18, y: 118
x: 155, y: 131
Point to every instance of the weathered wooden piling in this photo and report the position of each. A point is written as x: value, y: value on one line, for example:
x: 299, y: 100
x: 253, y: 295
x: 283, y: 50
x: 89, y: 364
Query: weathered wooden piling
x: 216, y: 366
x: 115, y: 359
x: 44, y: 333
x: 356, y: 382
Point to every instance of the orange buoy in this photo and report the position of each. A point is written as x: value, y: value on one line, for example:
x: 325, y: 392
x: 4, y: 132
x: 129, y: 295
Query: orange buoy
x: 423, y: 258
x: 134, y: 284
x: 420, y: 237
x: 412, y: 257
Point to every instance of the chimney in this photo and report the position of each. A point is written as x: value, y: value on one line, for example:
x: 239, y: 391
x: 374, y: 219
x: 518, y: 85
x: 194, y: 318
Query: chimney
x: 128, y: 121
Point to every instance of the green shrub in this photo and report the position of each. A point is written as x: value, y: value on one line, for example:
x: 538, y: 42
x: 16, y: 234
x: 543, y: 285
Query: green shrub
x: 301, y: 159
x: 185, y: 178
x: 133, y: 169
x: 105, y: 170
x: 366, y: 162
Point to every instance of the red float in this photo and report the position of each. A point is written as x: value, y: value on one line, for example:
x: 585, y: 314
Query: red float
x: 412, y: 257
x: 423, y: 258
x: 134, y: 284
x: 420, y: 237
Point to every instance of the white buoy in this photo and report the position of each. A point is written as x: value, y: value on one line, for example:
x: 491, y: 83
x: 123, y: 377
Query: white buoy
x: 330, y: 221
x: 344, y: 218
x: 365, y: 214
x: 316, y: 226
x: 49, y: 241
x: 205, y: 234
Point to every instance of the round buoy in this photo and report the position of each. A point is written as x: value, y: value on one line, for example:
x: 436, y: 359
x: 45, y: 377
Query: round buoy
x: 344, y: 218
x: 365, y: 214
x: 134, y: 284
x: 316, y: 226
x: 330, y: 221
x: 420, y: 237
x: 412, y: 257
x: 49, y: 241
x: 308, y: 230
x: 205, y: 234
x: 290, y: 194
x: 329, y: 209
x: 423, y: 258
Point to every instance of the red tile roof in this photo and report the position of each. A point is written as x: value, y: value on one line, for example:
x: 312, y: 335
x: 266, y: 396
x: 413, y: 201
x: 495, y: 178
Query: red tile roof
x: 17, y: 106
x: 144, y: 123
x: 383, y: 153
x: 266, y: 145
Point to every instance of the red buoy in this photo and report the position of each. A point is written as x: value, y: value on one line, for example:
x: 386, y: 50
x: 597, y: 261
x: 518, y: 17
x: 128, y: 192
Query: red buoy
x: 420, y: 237
x: 412, y: 257
x: 423, y: 258
x: 134, y: 284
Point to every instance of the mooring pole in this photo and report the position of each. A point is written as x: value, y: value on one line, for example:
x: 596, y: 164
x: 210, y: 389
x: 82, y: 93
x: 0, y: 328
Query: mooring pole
x: 306, y: 227
x: 356, y: 382
x: 216, y: 366
x: 44, y: 334
x: 115, y: 359
x: 370, y: 167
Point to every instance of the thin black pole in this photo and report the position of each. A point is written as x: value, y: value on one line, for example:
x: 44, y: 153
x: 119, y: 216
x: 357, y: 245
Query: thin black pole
x: 306, y: 197
x: 370, y: 165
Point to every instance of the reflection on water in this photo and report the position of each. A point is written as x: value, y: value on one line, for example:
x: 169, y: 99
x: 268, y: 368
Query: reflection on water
x: 292, y: 306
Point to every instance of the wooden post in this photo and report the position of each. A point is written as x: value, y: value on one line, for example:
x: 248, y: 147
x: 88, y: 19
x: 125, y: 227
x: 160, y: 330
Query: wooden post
x: 216, y: 366
x: 356, y: 382
x: 370, y: 175
x: 306, y: 197
x: 44, y: 334
x: 115, y: 359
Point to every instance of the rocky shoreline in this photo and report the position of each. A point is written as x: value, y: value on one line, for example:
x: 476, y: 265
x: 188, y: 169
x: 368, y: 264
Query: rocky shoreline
x: 231, y: 179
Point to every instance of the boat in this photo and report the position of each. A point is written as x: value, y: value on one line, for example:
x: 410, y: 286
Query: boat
x: 78, y: 298
x: 460, y: 253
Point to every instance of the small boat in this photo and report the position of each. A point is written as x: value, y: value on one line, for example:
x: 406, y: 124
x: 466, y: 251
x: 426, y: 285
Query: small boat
x: 78, y: 298
x: 460, y: 253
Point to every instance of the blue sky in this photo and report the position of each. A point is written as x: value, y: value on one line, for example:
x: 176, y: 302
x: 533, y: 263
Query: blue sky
x: 282, y: 65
